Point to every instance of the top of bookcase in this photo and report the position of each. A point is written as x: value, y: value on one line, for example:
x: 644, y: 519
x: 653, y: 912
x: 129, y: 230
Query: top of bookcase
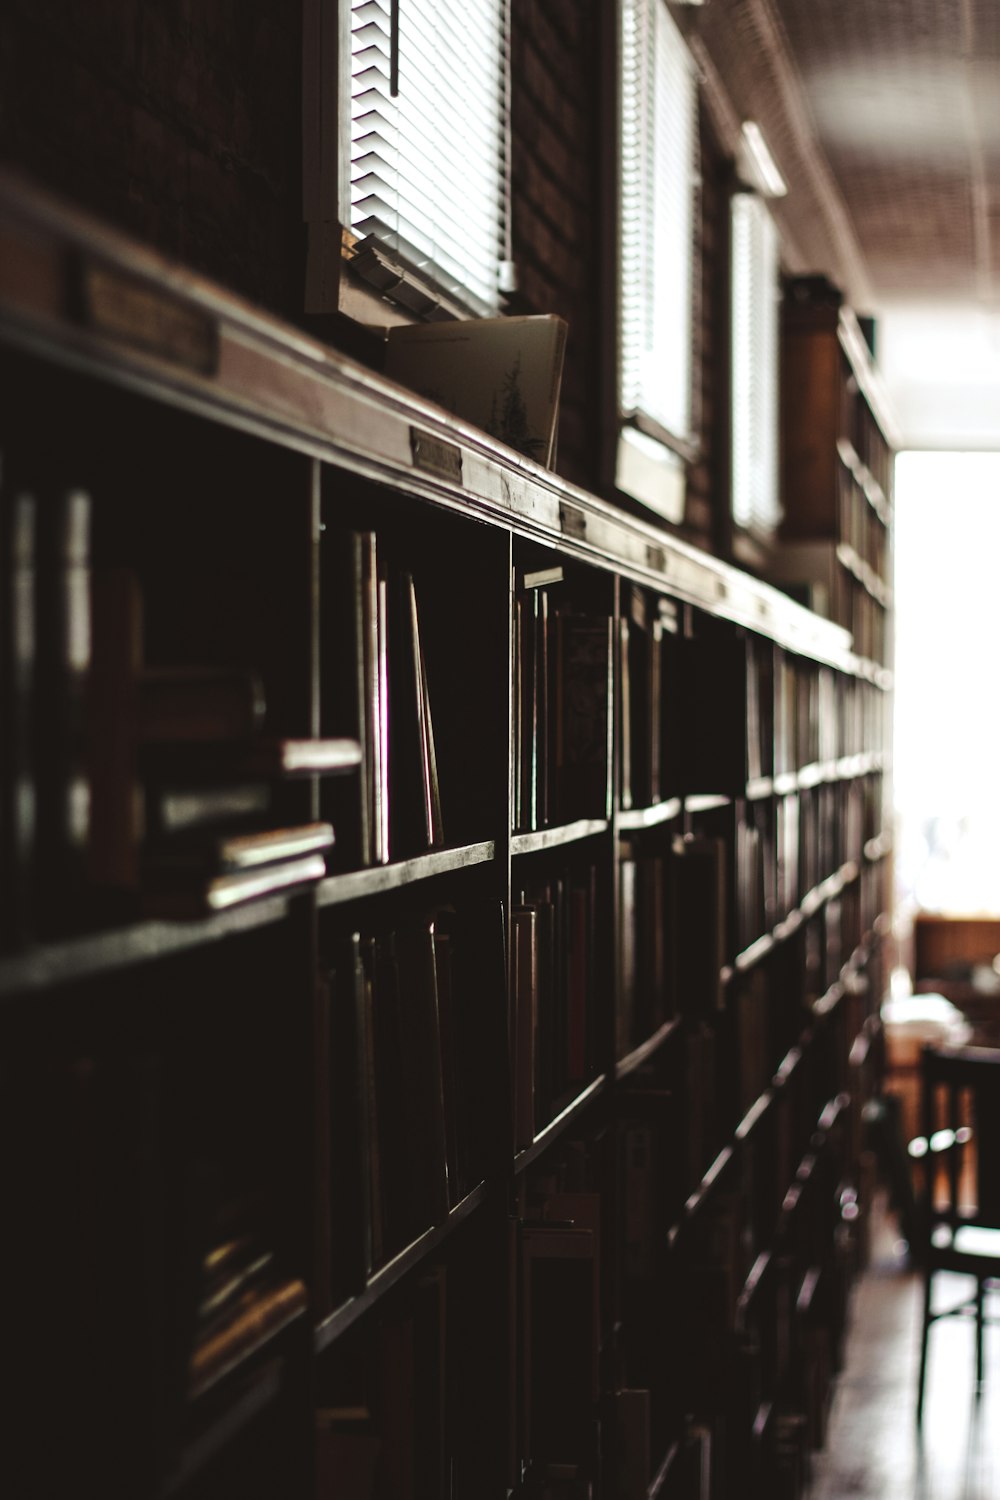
x: 92, y: 299
x: 841, y: 322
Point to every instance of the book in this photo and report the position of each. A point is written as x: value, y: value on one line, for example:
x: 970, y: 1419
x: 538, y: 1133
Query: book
x: 700, y: 922
x: 176, y: 809
x: 347, y: 1449
x: 63, y: 663
x: 524, y: 1022
x: 402, y: 1175
x: 116, y: 804
x: 370, y: 1139
x: 628, y: 705
x: 348, y: 1251
x: 353, y: 692
x: 92, y: 1177
x: 214, y: 763
x: 17, y: 688
x: 560, y: 1336
x: 412, y: 1393
x: 183, y: 898
x: 222, y: 853
x: 198, y: 704
x: 477, y: 1028
x: 584, y: 723
x: 500, y: 374
x: 711, y: 685
x: 626, y: 1021
x: 633, y: 1445
x: 256, y: 1320
x: 423, y: 1097
x: 233, y: 1271
x: 642, y: 699
x: 580, y: 976
x: 415, y: 796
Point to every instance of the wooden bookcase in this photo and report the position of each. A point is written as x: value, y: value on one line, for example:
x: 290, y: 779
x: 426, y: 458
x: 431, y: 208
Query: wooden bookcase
x: 837, y: 444
x: 518, y: 1151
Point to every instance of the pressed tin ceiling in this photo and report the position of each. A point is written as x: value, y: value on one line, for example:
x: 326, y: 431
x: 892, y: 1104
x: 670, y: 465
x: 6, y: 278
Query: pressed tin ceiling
x: 884, y: 117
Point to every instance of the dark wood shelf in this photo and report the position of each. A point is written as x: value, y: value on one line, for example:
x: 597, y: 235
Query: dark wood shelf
x: 647, y: 1049
x: 40, y: 968
x: 635, y: 819
x: 706, y: 802
x: 393, y: 1034
x: 662, y: 1475
x: 244, y: 1409
x: 389, y: 1275
x: 356, y: 885
x: 557, y: 1127
x: 557, y: 837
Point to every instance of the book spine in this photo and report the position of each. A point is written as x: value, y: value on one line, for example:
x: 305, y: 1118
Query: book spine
x: 625, y: 709
x: 543, y: 713
x: 180, y: 705
x: 63, y: 635
x: 351, y: 706
x: 380, y: 685
x: 524, y: 1021
x: 424, y: 1084
x: 431, y: 785
x: 17, y: 687
x: 112, y: 731
x: 584, y: 725
x: 348, y: 1188
x: 656, y: 710
x: 266, y: 1316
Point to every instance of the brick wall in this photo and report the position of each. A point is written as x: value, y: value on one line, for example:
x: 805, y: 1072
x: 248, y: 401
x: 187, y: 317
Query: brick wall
x: 709, y: 477
x: 556, y: 207
x: 178, y: 120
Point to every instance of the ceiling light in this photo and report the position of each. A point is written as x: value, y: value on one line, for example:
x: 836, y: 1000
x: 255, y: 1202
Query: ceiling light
x: 756, y: 164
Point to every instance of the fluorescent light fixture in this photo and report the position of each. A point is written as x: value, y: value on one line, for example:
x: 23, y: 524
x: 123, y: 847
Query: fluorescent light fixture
x: 757, y: 164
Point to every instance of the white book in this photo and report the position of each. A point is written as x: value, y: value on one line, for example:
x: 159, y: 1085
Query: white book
x: 500, y: 374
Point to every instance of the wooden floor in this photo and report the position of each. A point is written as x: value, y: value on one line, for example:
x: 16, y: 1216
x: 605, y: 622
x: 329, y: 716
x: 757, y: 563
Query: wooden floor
x: 873, y: 1450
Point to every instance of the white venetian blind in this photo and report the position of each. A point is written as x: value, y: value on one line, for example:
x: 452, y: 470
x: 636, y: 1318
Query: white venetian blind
x: 657, y: 174
x: 754, y: 364
x: 428, y: 139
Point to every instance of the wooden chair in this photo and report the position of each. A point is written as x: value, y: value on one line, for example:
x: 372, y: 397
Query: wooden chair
x: 959, y: 1153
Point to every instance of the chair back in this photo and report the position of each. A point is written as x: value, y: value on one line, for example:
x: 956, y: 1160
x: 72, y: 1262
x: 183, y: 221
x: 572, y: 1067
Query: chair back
x: 960, y: 1121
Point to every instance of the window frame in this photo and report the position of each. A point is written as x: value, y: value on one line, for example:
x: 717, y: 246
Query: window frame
x: 649, y: 462
x: 762, y: 425
x: 380, y: 288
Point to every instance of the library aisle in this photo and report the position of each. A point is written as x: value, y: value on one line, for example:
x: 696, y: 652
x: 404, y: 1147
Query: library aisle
x: 873, y: 1451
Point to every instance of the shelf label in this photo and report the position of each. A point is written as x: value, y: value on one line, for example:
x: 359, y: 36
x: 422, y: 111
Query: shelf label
x: 435, y: 456
x: 133, y: 311
x: 573, y: 522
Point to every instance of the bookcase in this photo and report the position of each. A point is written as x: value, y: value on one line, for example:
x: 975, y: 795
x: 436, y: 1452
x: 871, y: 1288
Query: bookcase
x: 441, y: 946
x: 837, y: 443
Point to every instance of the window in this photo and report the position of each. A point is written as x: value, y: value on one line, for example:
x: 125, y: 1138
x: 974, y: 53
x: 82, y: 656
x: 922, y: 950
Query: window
x: 754, y: 362
x: 658, y: 142
x: 428, y: 197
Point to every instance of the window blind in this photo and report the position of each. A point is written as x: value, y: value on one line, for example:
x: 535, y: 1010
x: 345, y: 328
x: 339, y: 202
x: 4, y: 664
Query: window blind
x: 428, y: 139
x: 657, y: 176
x: 754, y: 362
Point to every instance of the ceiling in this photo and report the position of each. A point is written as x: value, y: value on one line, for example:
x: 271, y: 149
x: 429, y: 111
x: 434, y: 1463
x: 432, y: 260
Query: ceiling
x: 884, y: 119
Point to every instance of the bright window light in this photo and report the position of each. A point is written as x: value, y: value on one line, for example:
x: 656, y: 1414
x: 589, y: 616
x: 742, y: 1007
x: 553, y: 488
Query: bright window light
x: 754, y: 362
x: 657, y: 173
x: 428, y: 140
x: 947, y: 705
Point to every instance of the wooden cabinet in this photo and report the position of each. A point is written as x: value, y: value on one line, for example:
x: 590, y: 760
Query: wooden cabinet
x: 507, y: 1144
